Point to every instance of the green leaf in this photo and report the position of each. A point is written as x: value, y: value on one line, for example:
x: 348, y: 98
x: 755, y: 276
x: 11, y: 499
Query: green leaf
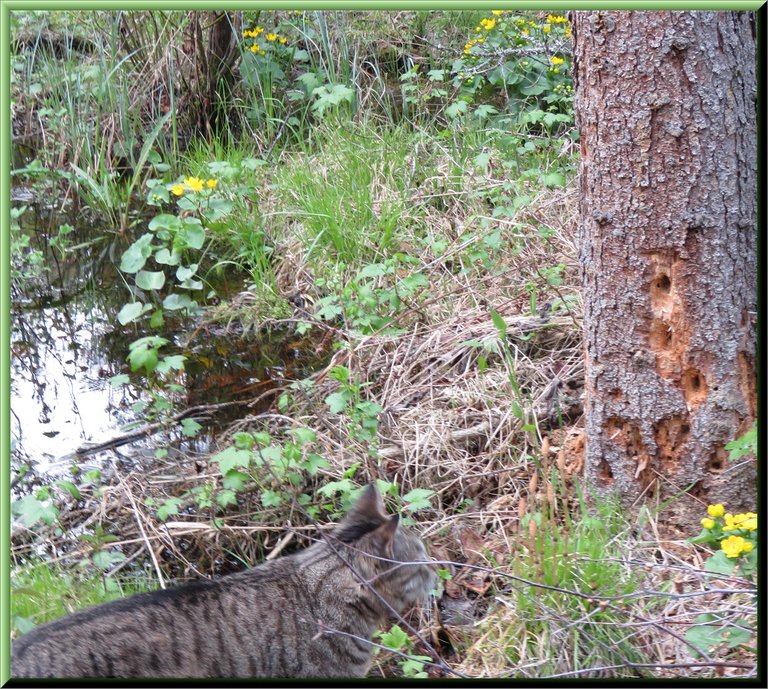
x: 314, y: 462
x: 743, y: 445
x: 417, y: 499
x: 330, y: 489
x: 136, y: 255
x: 147, y: 279
x: 244, y: 441
x: 234, y: 480
x: 720, y: 563
x: 302, y: 436
x: 168, y: 508
x: 230, y: 458
x: 337, y: 402
x: 31, y: 511
x: 165, y: 221
x: 553, y: 179
x: 193, y: 234
x: 499, y: 324
x: 23, y: 625
x: 704, y: 636
x: 104, y: 559
x: 144, y: 353
x: 174, y: 302
x: 395, y: 638
x: 130, y: 312
x: 226, y: 497
x: 372, y: 270
x: 119, y: 380
x: 175, y: 362
x: 69, y: 487
x: 190, y: 427
x: 157, y: 320
x: 457, y: 108
x: 168, y: 258
x: 183, y: 273
x: 270, y: 498
x: 735, y: 636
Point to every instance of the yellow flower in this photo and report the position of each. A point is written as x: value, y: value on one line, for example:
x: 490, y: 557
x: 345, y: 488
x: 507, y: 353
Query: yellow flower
x: 271, y: 37
x: 211, y: 183
x: 556, y: 19
x: 746, y: 521
x: 177, y: 189
x: 524, y: 32
x: 747, y: 547
x: 568, y: 32
x: 194, y: 183
x: 708, y: 523
x: 487, y: 24
x: 546, y: 28
x: 716, y: 510
x: 497, y: 12
x: 733, y: 546
x: 557, y: 60
x: 283, y: 39
x: 255, y: 48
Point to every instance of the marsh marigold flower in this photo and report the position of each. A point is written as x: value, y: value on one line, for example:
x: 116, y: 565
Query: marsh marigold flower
x: 177, y: 189
x: 211, y: 183
x: 733, y: 546
x: 194, y: 183
x: 271, y: 37
x: 557, y: 60
x: 708, y: 523
x: 497, y: 12
x: 746, y: 521
x: 716, y: 510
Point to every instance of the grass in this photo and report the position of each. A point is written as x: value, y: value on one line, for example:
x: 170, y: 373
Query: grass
x: 41, y: 592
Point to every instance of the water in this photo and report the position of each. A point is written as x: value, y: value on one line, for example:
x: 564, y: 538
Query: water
x: 66, y: 344
x: 61, y: 361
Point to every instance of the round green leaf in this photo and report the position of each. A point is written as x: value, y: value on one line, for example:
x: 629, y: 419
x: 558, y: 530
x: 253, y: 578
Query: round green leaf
x: 148, y: 279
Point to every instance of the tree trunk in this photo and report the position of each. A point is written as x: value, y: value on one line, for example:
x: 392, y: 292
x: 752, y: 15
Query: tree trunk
x: 665, y: 104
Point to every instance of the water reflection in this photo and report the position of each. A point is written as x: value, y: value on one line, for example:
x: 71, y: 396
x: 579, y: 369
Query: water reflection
x: 60, y: 394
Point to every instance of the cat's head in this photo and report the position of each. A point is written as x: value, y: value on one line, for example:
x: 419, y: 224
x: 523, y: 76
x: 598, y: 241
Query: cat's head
x: 390, y: 557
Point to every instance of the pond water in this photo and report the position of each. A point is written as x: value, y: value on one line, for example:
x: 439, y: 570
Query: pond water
x: 66, y: 344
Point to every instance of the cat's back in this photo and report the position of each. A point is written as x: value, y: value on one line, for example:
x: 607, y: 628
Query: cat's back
x: 186, y: 631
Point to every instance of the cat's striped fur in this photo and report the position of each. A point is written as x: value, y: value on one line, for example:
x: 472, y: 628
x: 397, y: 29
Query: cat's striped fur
x: 275, y: 620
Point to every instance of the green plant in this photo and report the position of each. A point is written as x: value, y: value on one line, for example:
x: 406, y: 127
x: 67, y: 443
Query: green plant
x: 530, y: 65
x: 41, y: 592
x: 160, y: 372
x: 397, y: 640
x: 734, y: 537
x: 377, y: 294
x: 362, y: 414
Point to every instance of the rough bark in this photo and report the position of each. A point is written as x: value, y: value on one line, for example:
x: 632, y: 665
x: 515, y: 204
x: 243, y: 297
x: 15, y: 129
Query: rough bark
x: 665, y: 104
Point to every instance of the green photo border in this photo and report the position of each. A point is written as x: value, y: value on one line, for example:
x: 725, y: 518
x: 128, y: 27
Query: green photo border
x: 6, y: 6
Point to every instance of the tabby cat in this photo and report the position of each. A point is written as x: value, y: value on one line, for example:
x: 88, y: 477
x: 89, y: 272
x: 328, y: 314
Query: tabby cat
x: 275, y: 620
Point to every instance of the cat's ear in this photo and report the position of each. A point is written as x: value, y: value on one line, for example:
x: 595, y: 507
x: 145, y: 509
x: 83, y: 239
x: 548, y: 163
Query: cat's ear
x: 369, y: 506
x: 385, y: 535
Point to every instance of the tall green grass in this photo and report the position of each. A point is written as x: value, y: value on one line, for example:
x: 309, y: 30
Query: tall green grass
x: 41, y: 592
